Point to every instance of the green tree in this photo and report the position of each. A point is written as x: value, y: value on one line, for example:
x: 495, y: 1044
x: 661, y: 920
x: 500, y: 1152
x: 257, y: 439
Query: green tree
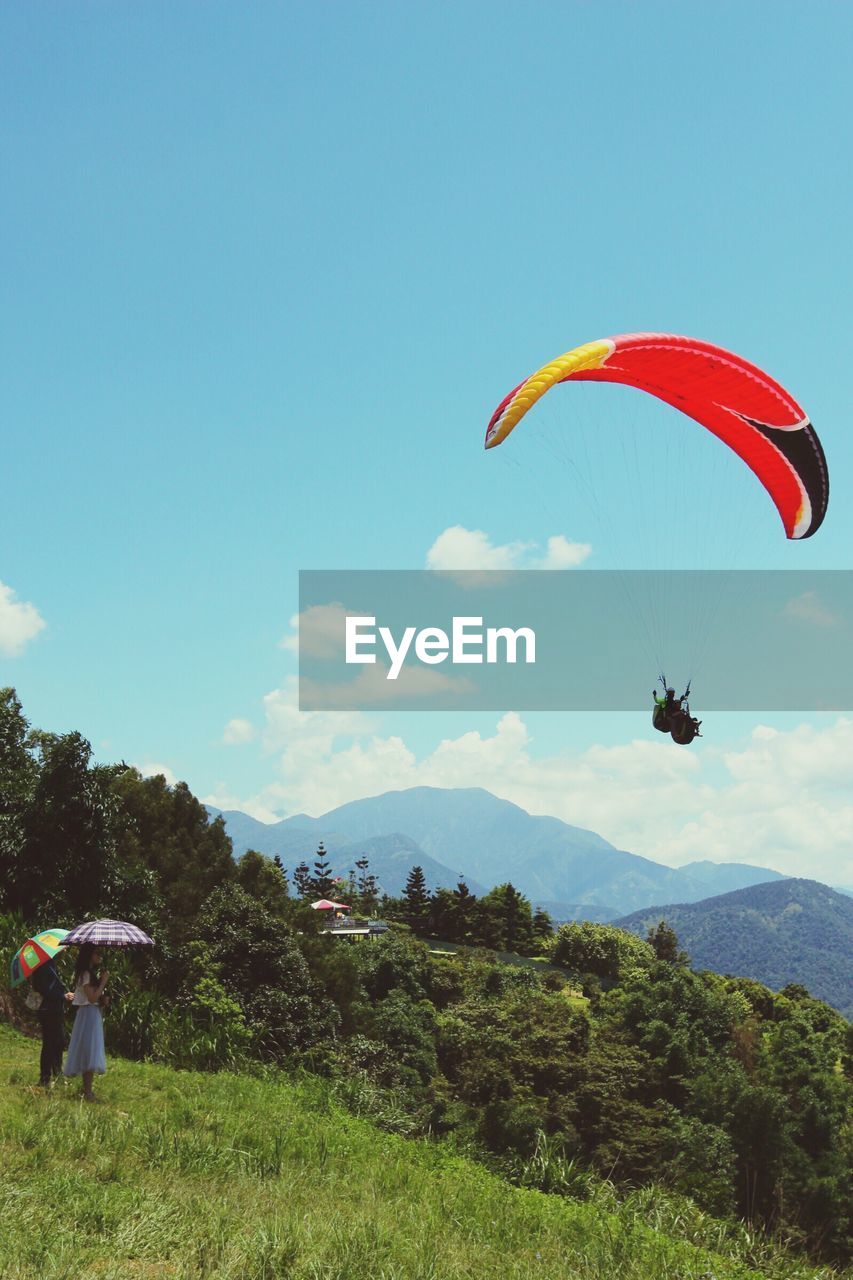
x: 618, y: 1109
x: 464, y: 908
x: 165, y: 830
x: 416, y: 900
x: 699, y: 1162
x: 395, y: 962
x: 213, y: 1032
x: 350, y: 890
x: 18, y: 778
x: 282, y: 871
x: 513, y: 1053
x: 803, y: 1048
x: 263, y: 880
x: 601, y: 950
x: 442, y: 919
x: 68, y: 866
x: 664, y: 942
x: 322, y: 881
x: 302, y: 880
x: 543, y: 928
x: 408, y: 1027
x: 367, y: 887
x: 680, y: 1019
x: 259, y: 963
x: 506, y: 920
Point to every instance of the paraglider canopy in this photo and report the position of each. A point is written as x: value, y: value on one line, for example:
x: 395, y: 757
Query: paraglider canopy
x: 743, y: 406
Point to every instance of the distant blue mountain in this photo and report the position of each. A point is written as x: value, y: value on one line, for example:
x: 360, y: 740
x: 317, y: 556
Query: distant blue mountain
x: 470, y: 832
x: 568, y: 912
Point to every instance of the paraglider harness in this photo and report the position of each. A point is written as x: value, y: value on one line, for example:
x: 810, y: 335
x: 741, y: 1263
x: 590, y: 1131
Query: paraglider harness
x: 672, y: 715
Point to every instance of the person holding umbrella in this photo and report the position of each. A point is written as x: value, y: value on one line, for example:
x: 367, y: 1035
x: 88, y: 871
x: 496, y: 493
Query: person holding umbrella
x: 86, y: 1049
x: 51, y: 1014
x: 34, y: 962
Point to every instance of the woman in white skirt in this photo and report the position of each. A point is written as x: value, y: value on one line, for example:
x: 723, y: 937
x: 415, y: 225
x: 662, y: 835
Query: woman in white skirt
x: 86, y: 1050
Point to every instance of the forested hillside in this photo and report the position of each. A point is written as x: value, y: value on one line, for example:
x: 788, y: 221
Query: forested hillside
x: 616, y: 1062
x: 787, y: 931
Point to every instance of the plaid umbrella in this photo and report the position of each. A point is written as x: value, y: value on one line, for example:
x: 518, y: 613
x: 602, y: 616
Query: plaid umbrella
x: 35, y: 952
x: 107, y: 933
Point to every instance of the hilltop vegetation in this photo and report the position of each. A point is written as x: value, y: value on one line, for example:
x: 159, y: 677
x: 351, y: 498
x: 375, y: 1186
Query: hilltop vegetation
x: 662, y: 1080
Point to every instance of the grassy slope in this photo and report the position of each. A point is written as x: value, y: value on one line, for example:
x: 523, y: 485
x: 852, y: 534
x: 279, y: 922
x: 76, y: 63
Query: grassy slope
x: 183, y: 1175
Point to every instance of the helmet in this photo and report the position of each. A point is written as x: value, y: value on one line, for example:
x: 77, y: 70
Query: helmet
x: 670, y: 693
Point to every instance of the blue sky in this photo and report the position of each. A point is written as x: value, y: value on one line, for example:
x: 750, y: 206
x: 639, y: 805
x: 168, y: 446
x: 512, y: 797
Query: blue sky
x: 267, y: 270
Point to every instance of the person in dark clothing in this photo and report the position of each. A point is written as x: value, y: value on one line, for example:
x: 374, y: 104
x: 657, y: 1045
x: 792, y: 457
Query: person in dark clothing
x: 47, y: 983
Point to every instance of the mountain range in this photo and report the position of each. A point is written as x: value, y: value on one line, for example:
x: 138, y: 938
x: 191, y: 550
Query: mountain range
x: 780, y: 932
x: 469, y: 832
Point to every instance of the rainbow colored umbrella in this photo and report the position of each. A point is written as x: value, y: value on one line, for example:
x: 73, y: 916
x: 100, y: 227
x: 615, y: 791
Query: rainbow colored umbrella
x: 36, y: 951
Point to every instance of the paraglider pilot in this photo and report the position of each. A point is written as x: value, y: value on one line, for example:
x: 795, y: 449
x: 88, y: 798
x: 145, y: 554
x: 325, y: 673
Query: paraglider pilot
x: 672, y: 715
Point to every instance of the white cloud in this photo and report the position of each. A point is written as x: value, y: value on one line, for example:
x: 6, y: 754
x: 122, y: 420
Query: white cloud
x: 319, y: 630
x: 371, y: 686
x: 153, y: 770
x: 20, y: 622
x: 801, y: 757
x: 223, y: 798
x: 313, y: 731
x: 563, y: 554
x: 810, y: 608
x: 458, y: 548
x: 237, y: 732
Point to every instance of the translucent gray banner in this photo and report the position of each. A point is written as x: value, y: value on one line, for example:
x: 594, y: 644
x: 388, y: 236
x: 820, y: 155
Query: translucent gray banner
x: 579, y: 640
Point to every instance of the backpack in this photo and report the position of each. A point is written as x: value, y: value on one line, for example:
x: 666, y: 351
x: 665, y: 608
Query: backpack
x: 34, y: 998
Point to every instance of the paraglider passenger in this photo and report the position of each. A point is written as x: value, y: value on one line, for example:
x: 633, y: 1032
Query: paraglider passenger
x: 669, y: 704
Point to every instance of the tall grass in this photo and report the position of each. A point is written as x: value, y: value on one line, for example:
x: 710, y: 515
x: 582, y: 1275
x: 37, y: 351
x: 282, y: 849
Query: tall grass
x: 550, y: 1169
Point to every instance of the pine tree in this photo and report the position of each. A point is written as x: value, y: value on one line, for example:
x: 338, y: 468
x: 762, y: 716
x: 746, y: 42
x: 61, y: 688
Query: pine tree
x: 542, y: 926
x: 441, y: 920
x: 513, y: 918
x: 416, y: 899
x: 282, y: 871
x: 367, y: 887
x: 302, y: 880
x: 322, y: 883
x: 463, y: 909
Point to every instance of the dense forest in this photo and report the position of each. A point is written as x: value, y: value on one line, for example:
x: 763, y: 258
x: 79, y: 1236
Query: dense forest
x: 609, y: 1054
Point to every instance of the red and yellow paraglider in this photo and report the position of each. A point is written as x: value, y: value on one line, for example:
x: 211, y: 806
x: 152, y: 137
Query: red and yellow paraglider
x: 741, y: 405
